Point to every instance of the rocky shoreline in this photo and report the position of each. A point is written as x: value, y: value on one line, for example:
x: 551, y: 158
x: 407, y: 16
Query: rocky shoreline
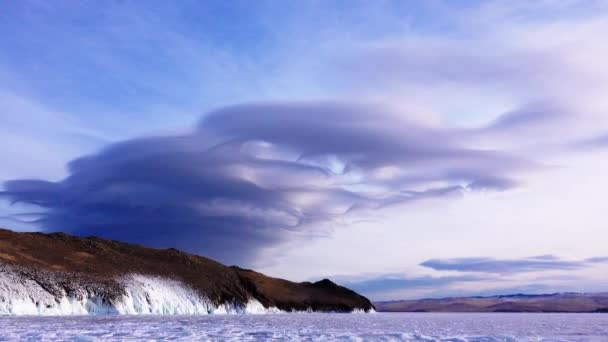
x: 62, y: 274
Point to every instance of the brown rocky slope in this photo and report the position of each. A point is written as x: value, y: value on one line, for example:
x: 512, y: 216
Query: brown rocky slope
x: 62, y: 263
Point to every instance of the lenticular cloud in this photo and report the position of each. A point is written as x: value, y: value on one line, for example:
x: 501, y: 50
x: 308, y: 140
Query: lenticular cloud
x: 253, y: 175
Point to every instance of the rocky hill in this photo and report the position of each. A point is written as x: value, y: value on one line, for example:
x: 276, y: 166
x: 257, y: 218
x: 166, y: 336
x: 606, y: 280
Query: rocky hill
x: 62, y: 274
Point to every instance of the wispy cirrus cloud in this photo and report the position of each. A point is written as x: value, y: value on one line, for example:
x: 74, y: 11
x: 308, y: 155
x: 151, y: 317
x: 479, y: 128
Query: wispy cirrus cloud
x: 502, y: 72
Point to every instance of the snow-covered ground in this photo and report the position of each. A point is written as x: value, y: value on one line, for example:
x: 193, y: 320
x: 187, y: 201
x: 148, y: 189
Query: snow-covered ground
x: 459, y: 327
x: 144, y: 295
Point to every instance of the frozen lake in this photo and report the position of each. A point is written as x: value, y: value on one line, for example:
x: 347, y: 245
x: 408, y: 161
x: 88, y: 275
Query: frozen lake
x: 312, y: 327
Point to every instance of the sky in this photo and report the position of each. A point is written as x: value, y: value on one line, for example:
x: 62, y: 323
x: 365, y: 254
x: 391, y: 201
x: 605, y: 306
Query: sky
x: 405, y: 149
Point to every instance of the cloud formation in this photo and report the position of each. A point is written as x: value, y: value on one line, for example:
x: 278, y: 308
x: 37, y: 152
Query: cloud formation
x: 388, y: 283
x: 481, y: 277
x: 398, y: 287
x: 252, y: 175
x: 509, y: 266
x: 465, y: 99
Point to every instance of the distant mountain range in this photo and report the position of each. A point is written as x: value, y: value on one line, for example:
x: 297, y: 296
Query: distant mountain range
x: 63, y: 274
x: 556, y: 302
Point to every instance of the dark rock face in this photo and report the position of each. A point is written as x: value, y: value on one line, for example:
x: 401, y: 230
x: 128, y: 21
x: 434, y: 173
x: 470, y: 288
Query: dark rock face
x: 323, y: 295
x: 74, y: 285
x: 61, y: 263
x: 556, y: 302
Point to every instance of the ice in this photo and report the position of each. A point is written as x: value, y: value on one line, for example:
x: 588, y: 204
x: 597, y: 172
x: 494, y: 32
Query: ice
x: 145, y: 295
x: 457, y: 327
x: 155, y: 295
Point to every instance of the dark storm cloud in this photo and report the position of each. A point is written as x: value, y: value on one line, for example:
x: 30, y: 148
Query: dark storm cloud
x: 252, y: 175
x: 509, y: 266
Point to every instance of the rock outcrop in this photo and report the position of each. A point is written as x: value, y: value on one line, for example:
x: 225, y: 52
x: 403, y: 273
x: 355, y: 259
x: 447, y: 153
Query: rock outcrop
x: 63, y: 274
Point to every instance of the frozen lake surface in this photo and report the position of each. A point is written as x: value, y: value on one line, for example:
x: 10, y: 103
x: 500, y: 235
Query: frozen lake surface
x: 312, y: 327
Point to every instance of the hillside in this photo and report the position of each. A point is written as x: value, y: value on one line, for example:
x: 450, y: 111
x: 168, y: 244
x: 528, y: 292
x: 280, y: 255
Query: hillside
x: 59, y: 273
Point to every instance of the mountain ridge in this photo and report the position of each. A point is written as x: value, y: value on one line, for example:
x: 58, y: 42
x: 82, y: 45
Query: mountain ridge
x: 97, y: 272
x: 519, y: 302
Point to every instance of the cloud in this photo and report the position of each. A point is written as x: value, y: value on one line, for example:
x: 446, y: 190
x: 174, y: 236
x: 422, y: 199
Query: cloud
x: 397, y: 287
x: 597, y: 260
x: 536, y: 83
x: 533, y: 116
x: 597, y: 142
x: 481, y: 277
x: 389, y: 283
x: 253, y: 175
x: 514, y: 53
x: 509, y: 266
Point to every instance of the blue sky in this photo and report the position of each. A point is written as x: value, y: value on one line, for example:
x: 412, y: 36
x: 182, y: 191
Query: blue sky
x: 406, y: 148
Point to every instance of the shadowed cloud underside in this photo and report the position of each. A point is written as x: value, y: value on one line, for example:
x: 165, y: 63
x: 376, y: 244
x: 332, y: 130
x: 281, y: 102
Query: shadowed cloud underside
x: 253, y: 175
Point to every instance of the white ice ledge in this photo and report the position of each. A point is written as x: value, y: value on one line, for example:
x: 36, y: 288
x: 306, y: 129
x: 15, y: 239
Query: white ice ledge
x: 144, y: 295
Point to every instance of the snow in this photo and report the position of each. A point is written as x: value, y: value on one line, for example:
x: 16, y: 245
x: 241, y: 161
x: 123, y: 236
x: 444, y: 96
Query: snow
x: 155, y: 295
x: 362, y: 311
x: 145, y: 295
x: 458, y: 327
x: 21, y: 296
